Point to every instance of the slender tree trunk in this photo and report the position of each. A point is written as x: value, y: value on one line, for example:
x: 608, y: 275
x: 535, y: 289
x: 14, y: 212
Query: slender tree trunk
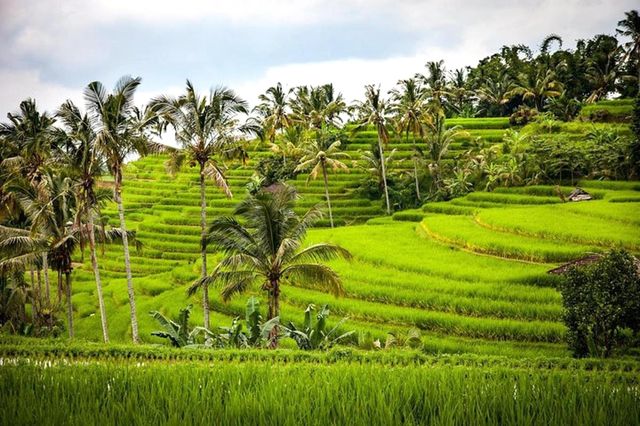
x: 39, y: 278
x: 203, y: 247
x: 326, y: 192
x: 384, y: 175
x: 415, y: 167
x: 96, y: 273
x: 127, y: 259
x: 35, y: 294
x: 274, y: 311
x: 45, y: 269
x: 69, y: 304
x: 60, y: 290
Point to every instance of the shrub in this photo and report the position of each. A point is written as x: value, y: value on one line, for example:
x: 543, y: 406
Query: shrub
x: 522, y: 116
x: 602, y: 303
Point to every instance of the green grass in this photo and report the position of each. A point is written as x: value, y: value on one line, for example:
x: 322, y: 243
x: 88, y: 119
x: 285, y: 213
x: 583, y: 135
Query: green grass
x: 279, y: 392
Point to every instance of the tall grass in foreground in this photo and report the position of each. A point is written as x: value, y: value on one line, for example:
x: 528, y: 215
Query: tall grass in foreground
x: 261, y: 393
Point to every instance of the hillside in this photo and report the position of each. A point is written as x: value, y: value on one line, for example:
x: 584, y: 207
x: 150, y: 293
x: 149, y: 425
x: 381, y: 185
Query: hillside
x: 470, y: 273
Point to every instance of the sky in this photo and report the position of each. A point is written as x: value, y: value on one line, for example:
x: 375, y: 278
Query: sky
x: 51, y: 49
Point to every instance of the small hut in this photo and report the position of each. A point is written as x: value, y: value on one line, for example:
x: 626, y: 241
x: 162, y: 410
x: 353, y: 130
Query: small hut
x: 579, y: 194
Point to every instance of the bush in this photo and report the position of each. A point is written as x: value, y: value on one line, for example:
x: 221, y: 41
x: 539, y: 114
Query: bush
x: 602, y: 303
x: 522, y: 116
x: 275, y: 169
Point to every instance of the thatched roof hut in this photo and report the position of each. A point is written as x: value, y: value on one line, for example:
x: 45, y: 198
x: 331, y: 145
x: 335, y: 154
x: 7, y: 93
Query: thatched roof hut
x: 579, y: 194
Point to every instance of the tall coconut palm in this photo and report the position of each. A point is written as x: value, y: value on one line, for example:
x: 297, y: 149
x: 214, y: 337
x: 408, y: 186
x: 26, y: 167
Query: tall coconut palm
x: 319, y: 155
x: 317, y: 106
x: 273, y: 112
x: 630, y: 27
x: 410, y: 111
x: 264, y: 248
x: 31, y: 135
x: 205, y: 127
x: 537, y: 86
x: 119, y: 134
x: 374, y: 111
x: 438, y: 139
x: 86, y: 166
x: 435, y: 84
x: 49, y: 206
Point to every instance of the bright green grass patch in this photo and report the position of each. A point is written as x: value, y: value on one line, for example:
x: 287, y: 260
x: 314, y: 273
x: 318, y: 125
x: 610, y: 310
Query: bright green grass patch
x: 465, y: 232
x: 253, y: 393
x: 561, y: 224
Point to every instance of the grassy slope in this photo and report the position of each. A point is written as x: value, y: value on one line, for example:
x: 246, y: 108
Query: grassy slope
x: 442, y: 275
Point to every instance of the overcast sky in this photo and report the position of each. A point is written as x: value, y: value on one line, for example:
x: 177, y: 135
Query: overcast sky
x: 52, y: 49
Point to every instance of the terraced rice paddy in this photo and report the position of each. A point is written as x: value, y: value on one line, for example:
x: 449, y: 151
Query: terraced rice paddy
x: 470, y: 273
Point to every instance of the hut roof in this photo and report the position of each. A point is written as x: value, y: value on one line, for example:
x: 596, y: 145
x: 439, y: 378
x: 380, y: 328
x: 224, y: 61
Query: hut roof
x: 579, y: 194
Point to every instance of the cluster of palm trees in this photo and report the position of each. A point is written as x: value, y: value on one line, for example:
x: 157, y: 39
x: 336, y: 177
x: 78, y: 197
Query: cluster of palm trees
x: 52, y: 192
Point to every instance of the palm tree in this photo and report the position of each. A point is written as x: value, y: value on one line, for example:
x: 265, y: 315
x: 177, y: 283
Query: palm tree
x: 630, y: 27
x: 435, y: 83
x: 273, y: 112
x: 537, y: 87
x: 317, y: 106
x: 319, y: 154
x: 438, y: 139
x: 205, y: 128
x: 264, y: 247
x: 31, y: 137
x: 410, y: 110
x: 49, y: 206
x: 120, y: 132
x: 495, y: 91
x: 86, y: 165
x: 374, y: 111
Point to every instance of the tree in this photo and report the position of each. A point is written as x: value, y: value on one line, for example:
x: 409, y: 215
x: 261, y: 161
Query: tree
x: 630, y: 27
x: 86, y: 166
x: 313, y: 107
x: 374, y: 111
x: 30, y: 150
x: 49, y: 206
x: 438, y: 139
x: 601, y: 300
x: 409, y: 112
x: 273, y: 112
x: 320, y: 154
x: 537, y: 87
x: 264, y: 247
x: 120, y: 131
x: 205, y: 128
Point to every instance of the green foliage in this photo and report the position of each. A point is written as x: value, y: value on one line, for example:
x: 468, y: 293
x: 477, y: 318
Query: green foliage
x: 178, y: 331
x: 492, y: 393
x: 601, y: 301
x: 316, y: 335
x: 523, y: 115
x: 275, y: 169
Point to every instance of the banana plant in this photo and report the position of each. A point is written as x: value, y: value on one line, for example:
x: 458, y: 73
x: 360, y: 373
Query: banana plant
x: 315, y: 336
x: 258, y: 331
x: 178, y: 332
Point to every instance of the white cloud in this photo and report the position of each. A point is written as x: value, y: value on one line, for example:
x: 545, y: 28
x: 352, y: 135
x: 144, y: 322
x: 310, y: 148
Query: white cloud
x: 25, y: 84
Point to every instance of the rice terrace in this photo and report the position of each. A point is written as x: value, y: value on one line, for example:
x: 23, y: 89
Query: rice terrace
x: 455, y: 243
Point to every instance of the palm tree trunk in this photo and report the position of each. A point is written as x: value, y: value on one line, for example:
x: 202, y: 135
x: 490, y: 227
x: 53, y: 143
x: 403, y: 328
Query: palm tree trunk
x: 274, y: 311
x: 384, y: 175
x: 203, y: 247
x: 96, y: 273
x: 35, y: 295
x: 127, y: 259
x: 60, y: 290
x: 39, y: 279
x: 45, y: 269
x: 69, y: 304
x: 326, y: 192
